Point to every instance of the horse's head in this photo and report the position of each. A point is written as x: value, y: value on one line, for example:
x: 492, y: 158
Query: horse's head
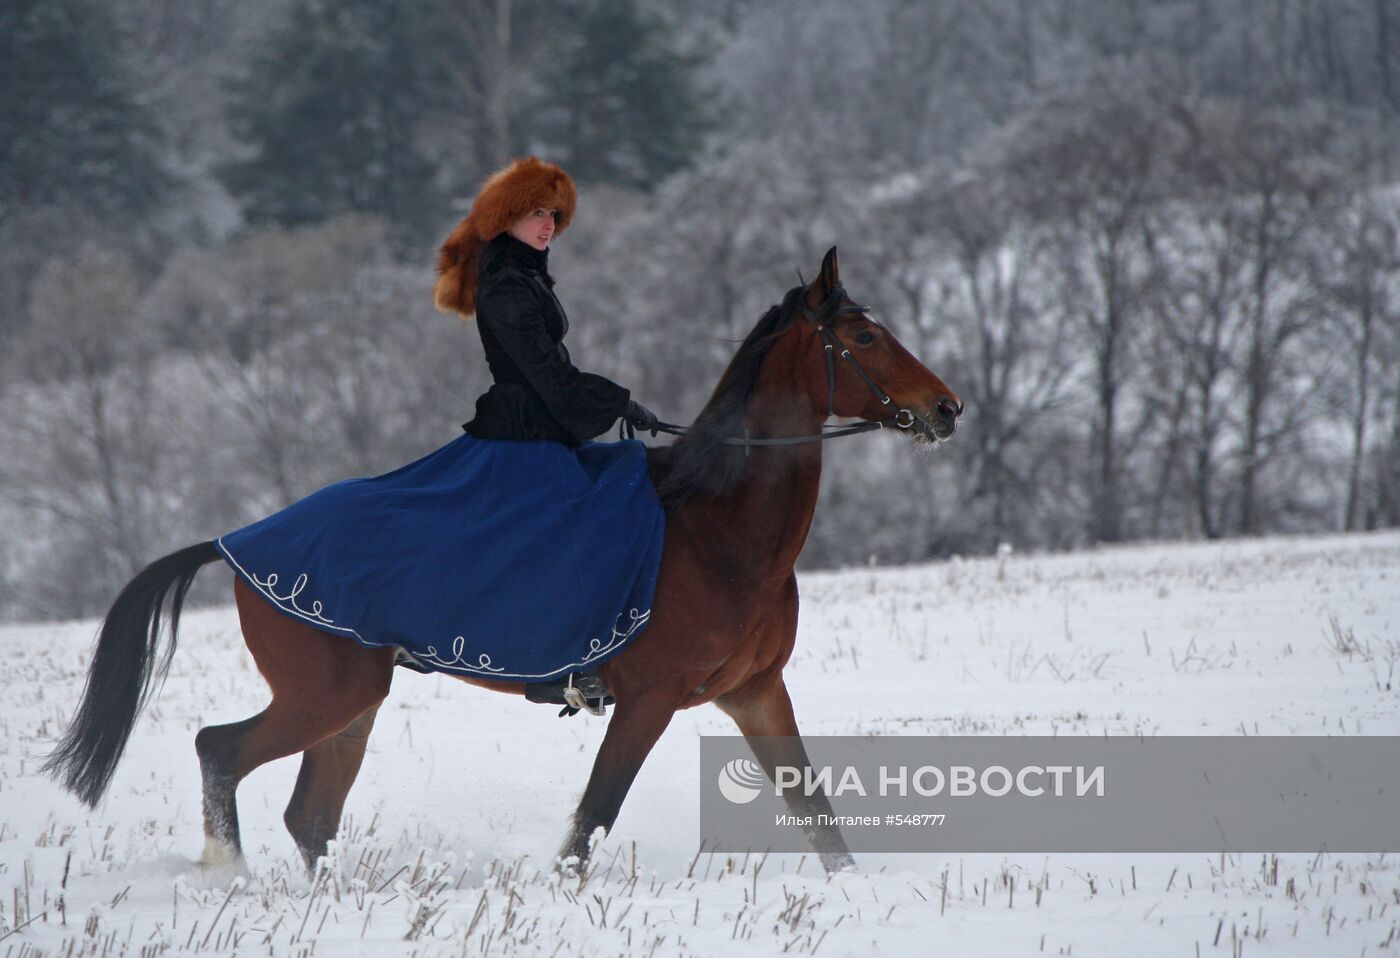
x: 860, y: 370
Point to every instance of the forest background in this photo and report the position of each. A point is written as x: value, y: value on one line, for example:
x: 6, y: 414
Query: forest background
x: 1153, y: 244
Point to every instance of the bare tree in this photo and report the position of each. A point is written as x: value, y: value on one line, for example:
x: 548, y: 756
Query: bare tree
x: 1090, y: 169
x: 1387, y: 479
x: 1273, y: 192
x: 1197, y: 328
x: 474, y: 51
x: 245, y: 315
x: 1362, y: 296
x: 393, y: 378
x: 1200, y: 261
x: 1014, y: 365
x: 90, y: 439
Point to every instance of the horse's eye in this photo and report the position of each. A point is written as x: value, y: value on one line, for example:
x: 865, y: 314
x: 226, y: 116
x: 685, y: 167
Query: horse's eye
x: 865, y: 337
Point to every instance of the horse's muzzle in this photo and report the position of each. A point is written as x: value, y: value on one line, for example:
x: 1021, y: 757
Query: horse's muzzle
x: 943, y: 418
x: 940, y: 422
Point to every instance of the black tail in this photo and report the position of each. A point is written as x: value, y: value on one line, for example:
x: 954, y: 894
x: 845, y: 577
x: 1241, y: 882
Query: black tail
x: 123, y: 671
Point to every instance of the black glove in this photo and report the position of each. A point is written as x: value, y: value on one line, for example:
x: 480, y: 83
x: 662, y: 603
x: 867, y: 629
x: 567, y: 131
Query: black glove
x: 640, y: 416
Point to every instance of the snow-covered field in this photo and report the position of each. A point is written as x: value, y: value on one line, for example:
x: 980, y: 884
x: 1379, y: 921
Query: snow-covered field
x: 464, y: 794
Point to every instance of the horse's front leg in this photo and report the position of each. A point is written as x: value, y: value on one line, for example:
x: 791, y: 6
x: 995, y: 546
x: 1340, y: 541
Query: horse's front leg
x: 763, y: 711
x: 636, y: 724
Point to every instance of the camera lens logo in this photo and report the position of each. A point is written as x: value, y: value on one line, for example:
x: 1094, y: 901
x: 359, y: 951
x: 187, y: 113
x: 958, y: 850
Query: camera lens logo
x: 740, y: 781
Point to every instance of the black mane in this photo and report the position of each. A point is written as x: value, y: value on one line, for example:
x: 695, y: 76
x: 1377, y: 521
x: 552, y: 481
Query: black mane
x: 700, y: 463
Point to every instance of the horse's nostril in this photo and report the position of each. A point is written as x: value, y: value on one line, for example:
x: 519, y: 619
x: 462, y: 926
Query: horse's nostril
x: 948, y: 409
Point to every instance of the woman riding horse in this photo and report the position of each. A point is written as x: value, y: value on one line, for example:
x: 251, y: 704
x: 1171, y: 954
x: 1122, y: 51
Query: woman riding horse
x: 523, y: 501
x: 400, y: 560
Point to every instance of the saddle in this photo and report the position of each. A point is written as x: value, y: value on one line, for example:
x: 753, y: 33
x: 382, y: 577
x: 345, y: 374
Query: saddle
x: 579, y: 691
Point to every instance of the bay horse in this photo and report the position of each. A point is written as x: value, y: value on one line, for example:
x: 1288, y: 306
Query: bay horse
x: 723, y: 623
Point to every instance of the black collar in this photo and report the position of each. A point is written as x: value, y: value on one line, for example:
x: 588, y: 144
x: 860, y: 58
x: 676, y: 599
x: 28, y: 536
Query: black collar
x: 506, y: 250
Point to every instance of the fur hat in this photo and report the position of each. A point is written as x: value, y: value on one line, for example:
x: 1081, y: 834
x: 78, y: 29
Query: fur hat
x: 524, y: 186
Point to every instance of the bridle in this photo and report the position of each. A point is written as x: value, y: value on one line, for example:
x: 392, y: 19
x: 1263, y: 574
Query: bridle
x: 823, y: 318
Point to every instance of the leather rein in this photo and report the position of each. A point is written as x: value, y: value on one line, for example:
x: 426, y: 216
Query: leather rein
x: 830, y: 310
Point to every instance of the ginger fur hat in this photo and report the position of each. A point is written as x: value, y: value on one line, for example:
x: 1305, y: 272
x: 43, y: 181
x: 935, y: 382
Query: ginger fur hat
x: 525, y: 185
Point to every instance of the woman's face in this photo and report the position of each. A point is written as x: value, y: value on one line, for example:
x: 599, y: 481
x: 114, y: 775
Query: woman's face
x: 536, y: 228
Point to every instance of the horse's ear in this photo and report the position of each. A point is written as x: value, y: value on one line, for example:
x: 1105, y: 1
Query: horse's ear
x: 829, y: 275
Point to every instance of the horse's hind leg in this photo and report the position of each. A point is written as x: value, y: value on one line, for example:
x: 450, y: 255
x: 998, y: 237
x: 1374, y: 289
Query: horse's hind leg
x: 321, y: 684
x: 327, y: 772
x: 217, y: 746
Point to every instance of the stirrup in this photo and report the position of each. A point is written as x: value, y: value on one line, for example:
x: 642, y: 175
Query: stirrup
x: 574, y: 693
x: 576, y: 696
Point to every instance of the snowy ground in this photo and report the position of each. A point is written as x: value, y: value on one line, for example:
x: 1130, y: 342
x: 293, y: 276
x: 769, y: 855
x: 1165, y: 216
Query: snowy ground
x: 464, y: 794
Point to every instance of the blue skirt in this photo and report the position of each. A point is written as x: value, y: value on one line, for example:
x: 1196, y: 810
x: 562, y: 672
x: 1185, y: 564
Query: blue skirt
x: 505, y: 559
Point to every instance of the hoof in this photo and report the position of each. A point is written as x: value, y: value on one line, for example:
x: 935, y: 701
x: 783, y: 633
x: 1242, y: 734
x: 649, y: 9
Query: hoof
x: 837, y: 861
x: 222, y: 857
x: 313, y: 857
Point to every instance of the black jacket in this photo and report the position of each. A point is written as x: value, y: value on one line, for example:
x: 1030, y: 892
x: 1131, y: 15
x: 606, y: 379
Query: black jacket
x: 538, y: 393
